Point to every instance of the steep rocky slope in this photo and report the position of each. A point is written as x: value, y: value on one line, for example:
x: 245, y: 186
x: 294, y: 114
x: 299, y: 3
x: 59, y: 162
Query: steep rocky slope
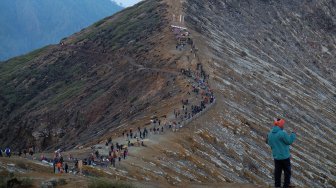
x: 93, y: 81
x: 271, y: 60
x: 266, y: 59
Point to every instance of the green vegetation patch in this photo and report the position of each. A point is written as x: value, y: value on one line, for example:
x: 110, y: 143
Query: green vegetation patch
x: 132, y: 22
x: 93, y: 96
x: 103, y: 183
x: 67, y: 92
x: 8, y: 68
x: 12, y: 181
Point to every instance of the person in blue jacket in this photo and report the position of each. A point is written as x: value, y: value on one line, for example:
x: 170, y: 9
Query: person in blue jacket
x: 8, y: 152
x: 279, y: 141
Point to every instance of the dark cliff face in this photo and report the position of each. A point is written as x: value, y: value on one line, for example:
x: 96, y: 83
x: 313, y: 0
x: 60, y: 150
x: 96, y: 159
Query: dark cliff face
x: 88, y: 84
x: 272, y: 59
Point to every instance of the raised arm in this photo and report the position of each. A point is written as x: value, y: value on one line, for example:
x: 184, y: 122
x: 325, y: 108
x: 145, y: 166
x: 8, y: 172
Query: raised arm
x: 288, y: 139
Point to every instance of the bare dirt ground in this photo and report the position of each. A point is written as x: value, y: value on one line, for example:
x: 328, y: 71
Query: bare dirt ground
x: 38, y: 173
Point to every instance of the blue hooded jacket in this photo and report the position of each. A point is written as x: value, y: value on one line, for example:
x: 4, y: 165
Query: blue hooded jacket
x: 279, y: 141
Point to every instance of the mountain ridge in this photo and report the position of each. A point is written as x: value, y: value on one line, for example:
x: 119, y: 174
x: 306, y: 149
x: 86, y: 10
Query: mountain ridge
x: 122, y: 71
x: 45, y: 77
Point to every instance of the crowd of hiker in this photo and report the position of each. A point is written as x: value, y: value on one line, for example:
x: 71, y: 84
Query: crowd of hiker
x: 5, y: 153
x: 8, y: 153
x: 278, y: 140
x: 58, y: 162
x: 182, y: 37
x: 190, y: 107
x: 113, y: 153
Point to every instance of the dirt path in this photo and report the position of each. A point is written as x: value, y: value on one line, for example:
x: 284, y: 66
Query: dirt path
x: 141, y: 67
x: 176, y: 12
x: 153, y: 141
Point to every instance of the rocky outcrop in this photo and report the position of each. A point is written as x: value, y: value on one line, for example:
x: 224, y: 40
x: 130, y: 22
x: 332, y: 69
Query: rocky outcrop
x: 271, y: 59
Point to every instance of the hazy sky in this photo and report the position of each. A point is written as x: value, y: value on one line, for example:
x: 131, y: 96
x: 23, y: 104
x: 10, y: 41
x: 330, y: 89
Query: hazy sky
x: 127, y: 3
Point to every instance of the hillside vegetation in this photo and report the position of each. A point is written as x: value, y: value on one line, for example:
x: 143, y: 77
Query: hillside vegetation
x: 84, y: 86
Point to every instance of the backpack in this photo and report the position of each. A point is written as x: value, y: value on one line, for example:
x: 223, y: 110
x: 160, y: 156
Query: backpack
x: 114, y: 155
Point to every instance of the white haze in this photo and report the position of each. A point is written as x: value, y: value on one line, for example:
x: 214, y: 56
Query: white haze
x: 126, y: 3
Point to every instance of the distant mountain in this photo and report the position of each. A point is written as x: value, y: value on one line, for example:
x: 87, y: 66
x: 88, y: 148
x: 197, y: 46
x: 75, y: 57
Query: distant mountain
x: 27, y: 25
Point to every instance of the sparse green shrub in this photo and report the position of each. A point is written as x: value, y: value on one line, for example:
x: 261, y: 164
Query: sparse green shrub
x: 97, y: 24
x: 9, y: 179
x: 2, y: 182
x: 102, y: 183
x: 15, y: 182
x: 22, y: 165
x: 62, y: 181
x: 134, y: 99
x: 26, y: 182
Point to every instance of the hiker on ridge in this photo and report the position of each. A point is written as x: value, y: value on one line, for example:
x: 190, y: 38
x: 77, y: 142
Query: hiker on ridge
x: 66, y: 167
x: 125, y: 153
x: 97, y: 154
x: 31, y: 151
x: 280, y: 141
x: 8, y: 152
